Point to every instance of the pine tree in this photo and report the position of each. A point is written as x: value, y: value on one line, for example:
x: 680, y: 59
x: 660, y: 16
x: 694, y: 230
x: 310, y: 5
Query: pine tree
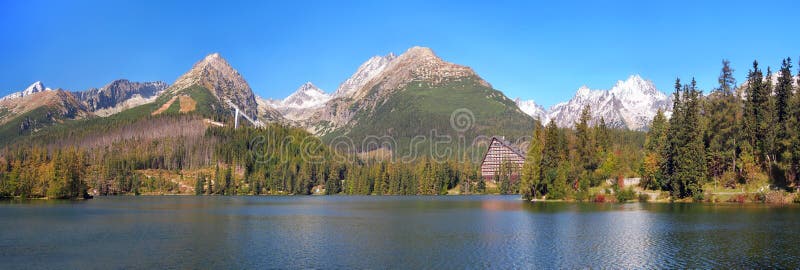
x: 727, y: 83
x: 783, y: 111
x: 199, y: 184
x: 671, y: 149
x: 655, y: 141
x: 602, y: 136
x: 756, y: 114
x: 693, y: 163
x: 551, y: 156
x: 724, y: 117
x: 532, y: 170
x: 586, y: 145
x: 793, y: 133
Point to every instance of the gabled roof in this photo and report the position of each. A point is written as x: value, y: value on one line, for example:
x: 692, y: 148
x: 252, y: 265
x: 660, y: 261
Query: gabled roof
x: 509, y: 145
x: 505, y: 143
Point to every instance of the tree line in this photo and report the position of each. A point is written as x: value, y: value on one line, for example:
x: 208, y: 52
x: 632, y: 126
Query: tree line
x: 734, y: 136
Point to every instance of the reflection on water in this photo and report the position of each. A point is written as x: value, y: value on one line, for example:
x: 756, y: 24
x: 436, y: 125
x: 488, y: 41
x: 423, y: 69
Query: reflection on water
x: 392, y: 232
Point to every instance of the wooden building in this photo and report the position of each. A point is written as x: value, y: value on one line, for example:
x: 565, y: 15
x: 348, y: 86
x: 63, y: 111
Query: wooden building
x: 499, y: 152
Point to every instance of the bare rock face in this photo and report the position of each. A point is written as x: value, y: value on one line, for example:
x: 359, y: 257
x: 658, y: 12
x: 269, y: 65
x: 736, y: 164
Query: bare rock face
x: 120, y: 95
x: 365, y: 73
x: 216, y: 75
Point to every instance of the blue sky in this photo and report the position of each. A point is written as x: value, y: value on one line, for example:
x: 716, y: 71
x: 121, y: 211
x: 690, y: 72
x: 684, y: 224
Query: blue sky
x: 541, y: 50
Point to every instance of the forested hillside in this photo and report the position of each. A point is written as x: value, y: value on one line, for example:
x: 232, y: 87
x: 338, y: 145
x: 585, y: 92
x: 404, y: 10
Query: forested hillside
x: 745, y: 138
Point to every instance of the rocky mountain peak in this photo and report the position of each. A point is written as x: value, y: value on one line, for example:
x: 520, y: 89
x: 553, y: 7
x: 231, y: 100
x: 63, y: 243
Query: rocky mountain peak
x: 635, y: 85
x: 309, y: 87
x: 419, y: 64
x: 530, y: 107
x: 366, y: 72
x: 218, y: 76
x: 418, y: 51
x: 34, y: 88
x: 301, y: 104
x: 119, y: 95
x: 306, y: 96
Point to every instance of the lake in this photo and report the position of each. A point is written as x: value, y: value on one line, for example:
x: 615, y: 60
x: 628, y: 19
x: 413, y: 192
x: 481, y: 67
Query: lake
x: 441, y: 232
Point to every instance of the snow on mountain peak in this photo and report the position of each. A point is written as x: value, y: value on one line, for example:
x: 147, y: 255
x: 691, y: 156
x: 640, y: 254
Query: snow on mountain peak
x: 35, y: 87
x: 631, y: 103
x: 583, y: 91
x: 366, y: 72
x: 530, y: 107
x: 307, y: 95
x: 634, y: 85
x: 302, y: 103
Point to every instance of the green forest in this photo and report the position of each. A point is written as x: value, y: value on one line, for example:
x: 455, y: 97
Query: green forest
x: 734, y: 137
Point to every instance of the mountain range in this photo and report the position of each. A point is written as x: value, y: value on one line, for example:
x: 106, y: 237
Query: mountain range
x: 401, y: 96
x: 630, y: 104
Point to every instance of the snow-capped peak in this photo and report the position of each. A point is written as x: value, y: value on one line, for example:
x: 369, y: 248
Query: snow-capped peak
x: 307, y: 96
x: 635, y: 85
x: 583, y: 91
x: 366, y: 72
x: 302, y: 103
x: 530, y: 107
x: 631, y: 103
x: 36, y: 87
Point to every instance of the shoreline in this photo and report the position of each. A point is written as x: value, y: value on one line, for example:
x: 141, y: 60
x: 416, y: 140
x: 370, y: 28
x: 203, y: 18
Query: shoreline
x: 532, y: 201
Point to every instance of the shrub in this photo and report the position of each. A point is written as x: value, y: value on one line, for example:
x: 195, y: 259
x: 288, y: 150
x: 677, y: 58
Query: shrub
x: 760, y: 197
x: 796, y: 198
x: 599, y: 198
x: 581, y: 195
x: 775, y: 197
x: 625, y: 195
x: 739, y: 198
x: 644, y: 197
x: 698, y: 197
x: 729, y: 179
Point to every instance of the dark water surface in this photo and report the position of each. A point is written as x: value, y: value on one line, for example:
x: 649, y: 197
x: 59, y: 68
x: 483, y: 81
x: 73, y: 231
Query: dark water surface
x: 392, y: 232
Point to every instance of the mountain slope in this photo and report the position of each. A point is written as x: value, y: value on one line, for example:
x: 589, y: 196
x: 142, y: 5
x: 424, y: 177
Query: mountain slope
x: 214, y: 75
x: 419, y: 94
x: 120, y: 95
x: 36, y: 110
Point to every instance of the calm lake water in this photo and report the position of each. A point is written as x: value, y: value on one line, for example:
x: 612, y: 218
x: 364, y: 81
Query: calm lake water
x: 392, y: 232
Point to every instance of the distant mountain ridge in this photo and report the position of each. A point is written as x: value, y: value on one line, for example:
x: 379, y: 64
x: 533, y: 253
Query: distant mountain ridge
x: 300, y: 104
x: 630, y: 104
x: 120, y: 95
x: 398, y: 95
